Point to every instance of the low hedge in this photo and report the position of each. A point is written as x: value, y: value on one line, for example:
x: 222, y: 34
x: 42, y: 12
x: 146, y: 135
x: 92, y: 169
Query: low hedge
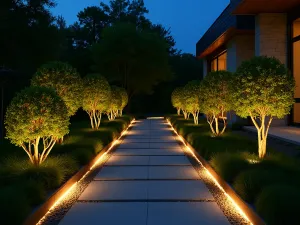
x: 235, y: 159
x: 24, y: 186
x: 279, y: 205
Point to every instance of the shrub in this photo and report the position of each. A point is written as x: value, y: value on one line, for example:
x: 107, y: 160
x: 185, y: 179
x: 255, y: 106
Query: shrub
x: 263, y: 89
x: 14, y: 206
x: 35, y: 192
x: 228, y: 165
x: 279, y: 205
x: 177, y: 99
x: 65, y: 80
x: 50, y: 174
x: 248, y: 184
x: 34, y: 120
x: 216, y: 99
x: 96, y: 98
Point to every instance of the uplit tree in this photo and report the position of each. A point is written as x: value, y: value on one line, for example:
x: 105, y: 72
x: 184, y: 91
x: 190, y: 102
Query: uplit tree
x: 65, y: 80
x: 216, y: 99
x: 96, y: 98
x: 124, y: 97
x: 191, y: 99
x: 35, y: 119
x: 263, y: 89
x: 177, y: 99
x: 115, y: 103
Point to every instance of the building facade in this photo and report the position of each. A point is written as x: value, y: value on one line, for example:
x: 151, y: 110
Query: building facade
x: 248, y: 28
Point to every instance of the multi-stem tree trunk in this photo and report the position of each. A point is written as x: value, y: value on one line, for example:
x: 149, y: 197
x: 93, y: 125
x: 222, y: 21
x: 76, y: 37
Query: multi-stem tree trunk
x: 212, y: 120
x: 32, y: 149
x: 185, y: 114
x: 262, y: 127
x: 95, y: 118
x: 196, y: 117
x: 178, y: 111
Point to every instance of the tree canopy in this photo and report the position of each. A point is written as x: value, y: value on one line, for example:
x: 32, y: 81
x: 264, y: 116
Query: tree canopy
x: 263, y: 89
x: 217, y: 98
x: 65, y: 80
x: 36, y: 113
x: 96, y: 97
x: 137, y: 59
x: 191, y: 101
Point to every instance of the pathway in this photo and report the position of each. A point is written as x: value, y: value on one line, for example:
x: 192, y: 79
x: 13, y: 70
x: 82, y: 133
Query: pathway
x: 147, y: 181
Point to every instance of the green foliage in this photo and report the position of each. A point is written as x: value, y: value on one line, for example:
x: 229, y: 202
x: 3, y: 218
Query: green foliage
x: 36, y: 113
x: 50, y: 174
x: 64, y: 79
x: 116, y: 99
x: 136, y: 58
x: 14, y: 207
x: 124, y: 96
x: 279, y: 205
x: 96, y: 97
x: 177, y: 99
x: 216, y: 93
x: 248, y: 184
x: 216, y: 98
x: 261, y: 82
x: 228, y: 165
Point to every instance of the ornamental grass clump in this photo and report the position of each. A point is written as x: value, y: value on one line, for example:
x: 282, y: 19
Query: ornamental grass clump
x: 35, y: 119
x: 263, y: 89
x: 216, y: 99
x: 65, y: 80
x: 96, y: 98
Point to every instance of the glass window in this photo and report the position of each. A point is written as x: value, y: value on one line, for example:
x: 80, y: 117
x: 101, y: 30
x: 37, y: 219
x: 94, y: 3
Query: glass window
x: 219, y: 63
x: 296, y: 67
x: 296, y: 28
x: 297, y: 113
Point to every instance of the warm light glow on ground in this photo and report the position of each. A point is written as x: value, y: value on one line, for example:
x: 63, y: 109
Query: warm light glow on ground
x: 101, y: 160
x: 236, y: 206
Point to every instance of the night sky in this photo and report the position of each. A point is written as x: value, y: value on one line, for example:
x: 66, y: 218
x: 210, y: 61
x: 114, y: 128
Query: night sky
x: 188, y: 19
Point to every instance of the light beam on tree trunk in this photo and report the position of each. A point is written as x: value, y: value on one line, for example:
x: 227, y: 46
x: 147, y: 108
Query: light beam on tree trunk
x: 32, y: 149
x: 262, y: 128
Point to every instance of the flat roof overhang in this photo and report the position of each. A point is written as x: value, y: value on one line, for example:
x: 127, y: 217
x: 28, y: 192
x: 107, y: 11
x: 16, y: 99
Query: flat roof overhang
x: 223, y: 39
x: 253, y: 7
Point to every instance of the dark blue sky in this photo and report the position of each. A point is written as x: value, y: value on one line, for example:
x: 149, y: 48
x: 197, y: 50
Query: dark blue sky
x: 188, y: 19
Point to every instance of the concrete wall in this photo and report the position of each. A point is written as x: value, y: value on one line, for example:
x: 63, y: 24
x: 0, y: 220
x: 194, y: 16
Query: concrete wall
x: 271, y: 35
x: 239, y: 49
x: 271, y: 40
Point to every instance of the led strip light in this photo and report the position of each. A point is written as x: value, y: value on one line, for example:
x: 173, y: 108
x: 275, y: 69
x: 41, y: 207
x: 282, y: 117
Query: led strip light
x: 99, y: 161
x: 241, y: 212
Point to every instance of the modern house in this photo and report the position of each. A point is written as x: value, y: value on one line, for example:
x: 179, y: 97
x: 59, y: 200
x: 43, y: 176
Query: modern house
x: 248, y: 28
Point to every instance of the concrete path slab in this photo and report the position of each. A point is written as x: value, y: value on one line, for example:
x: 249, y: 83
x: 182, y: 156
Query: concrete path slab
x: 141, y: 152
x: 135, y: 145
x: 172, y: 145
x: 173, y: 172
x: 178, y: 190
x: 122, y: 173
x: 117, y: 160
x: 169, y: 161
x: 107, y: 214
x: 115, y: 190
x: 185, y: 213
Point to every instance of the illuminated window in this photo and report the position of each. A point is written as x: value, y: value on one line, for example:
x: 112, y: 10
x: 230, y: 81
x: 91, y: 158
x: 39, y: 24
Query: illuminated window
x: 219, y: 63
x: 296, y: 28
x: 296, y: 68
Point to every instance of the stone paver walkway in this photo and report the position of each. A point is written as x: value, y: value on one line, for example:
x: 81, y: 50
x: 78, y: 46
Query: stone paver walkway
x: 147, y: 181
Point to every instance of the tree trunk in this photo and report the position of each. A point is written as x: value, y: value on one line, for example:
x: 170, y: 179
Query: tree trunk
x: 36, y: 156
x: 217, y: 126
x: 262, y: 134
x: 178, y: 111
x: 185, y: 114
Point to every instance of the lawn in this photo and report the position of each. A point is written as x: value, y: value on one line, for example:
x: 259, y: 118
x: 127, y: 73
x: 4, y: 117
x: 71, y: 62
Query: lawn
x: 270, y: 185
x: 24, y: 186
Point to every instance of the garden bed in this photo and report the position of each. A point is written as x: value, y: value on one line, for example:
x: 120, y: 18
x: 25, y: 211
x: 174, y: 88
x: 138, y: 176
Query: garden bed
x: 269, y: 185
x: 24, y: 187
